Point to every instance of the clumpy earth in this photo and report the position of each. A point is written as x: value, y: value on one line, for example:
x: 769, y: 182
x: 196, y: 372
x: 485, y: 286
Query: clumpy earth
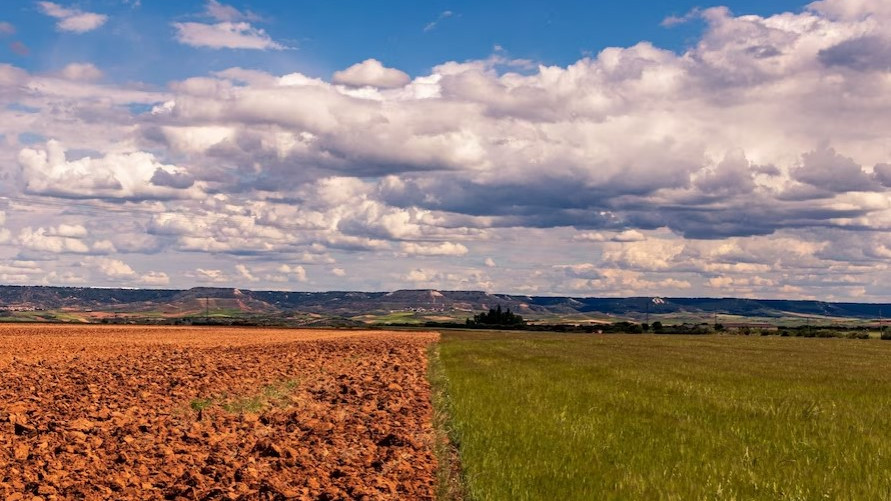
x: 90, y: 412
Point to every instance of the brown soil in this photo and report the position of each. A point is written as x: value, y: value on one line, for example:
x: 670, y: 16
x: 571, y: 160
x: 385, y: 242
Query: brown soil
x: 90, y: 412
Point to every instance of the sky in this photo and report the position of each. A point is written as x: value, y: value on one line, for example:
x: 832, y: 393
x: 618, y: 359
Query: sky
x: 636, y: 148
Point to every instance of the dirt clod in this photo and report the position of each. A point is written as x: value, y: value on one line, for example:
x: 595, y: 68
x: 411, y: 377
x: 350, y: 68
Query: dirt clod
x: 89, y: 412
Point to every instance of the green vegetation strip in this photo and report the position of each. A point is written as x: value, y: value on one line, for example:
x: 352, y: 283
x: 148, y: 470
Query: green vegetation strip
x: 450, y: 485
x: 538, y: 416
x: 277, y: 394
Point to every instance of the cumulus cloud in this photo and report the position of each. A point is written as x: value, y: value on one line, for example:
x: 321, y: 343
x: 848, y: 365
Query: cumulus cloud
x: 72, y: 19
x: 629, y: 236
x: 427, y: 249
x: 739, y: 163
x: 104, y: 247
x: 825, y: 169
x: 68, y: 231
x: 172, y: 179
x: 589, y: 237
x: 245, y: 273
x: 111, y: 268
x: 155, y: 278
x: 81, y: 71
x: 210, y: 276
x: 4, y: 232
x: 50, y: 240
x: 225, y: 35
x: 852, y: 10
x: 131, y: 175
x: 297, y: 273
x: 417, y: 275
x: 372, y: 73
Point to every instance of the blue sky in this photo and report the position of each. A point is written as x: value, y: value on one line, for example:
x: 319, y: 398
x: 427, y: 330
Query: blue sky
x: 575, y: 148
x: 137, y: 42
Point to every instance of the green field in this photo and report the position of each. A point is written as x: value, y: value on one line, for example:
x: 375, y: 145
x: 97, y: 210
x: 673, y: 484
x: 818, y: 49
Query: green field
x: 539, y: 416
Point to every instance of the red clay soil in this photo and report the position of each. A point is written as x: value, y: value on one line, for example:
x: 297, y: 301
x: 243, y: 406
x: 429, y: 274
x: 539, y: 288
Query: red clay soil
x: 92, y: 412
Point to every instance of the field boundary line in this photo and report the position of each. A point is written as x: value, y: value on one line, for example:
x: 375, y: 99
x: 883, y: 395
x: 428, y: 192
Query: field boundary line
x: 450, y: 482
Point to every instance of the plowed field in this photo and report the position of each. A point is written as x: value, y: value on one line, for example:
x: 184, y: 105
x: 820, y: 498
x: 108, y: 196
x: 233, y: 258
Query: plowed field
x: 91, y: 412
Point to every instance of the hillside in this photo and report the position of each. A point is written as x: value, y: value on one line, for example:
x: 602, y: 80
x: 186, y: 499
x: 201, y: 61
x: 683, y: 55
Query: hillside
x: 409, y: 306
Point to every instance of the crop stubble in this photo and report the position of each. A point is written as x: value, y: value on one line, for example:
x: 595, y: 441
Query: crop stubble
x: 90, y: 412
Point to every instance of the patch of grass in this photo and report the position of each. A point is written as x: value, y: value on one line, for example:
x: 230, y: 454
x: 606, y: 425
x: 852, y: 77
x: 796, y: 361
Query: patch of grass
x: 199, y: 404
x: 277, y: 394
x: 449, y: 484
x: 541, y: 416
x: 252, y: 405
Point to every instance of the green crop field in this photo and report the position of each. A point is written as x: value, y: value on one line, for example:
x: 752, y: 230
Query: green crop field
x: 539, y: 416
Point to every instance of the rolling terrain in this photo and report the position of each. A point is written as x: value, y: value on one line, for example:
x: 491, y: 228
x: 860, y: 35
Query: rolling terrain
x: 405, y: 307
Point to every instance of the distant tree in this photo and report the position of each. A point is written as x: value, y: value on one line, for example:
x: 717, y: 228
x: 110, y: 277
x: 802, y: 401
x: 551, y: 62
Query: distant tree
x: 634, y: 329
x: 496, y: 316
x: 657, y: 327
x: 645, y: 327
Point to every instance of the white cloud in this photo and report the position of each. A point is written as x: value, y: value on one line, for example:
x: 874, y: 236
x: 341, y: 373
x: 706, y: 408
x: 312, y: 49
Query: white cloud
x: 155, y: 278
x: 620, y: 282
x: 64, y: 278
x: 116, y: 175
x: 111, y: 268
x: 223, y: 12
x: 81, y: 71
x: 672, y: 21
x: 756, y: 153
x: 210, y: 276
x: 225, y: 35
x: 629, y: 236
x: 589, y: 237
x: 490, y: 263
x: 297, y: 272
x: 4, y: 233
x: 72, y: 19
x: 245, y: 273
x: 373, y: 73
x: 418, y: 275
x: 855, y: 10
x: 68, y: 231
x: 49, y: 240
x: 428, y: 249
x: 442, y: 16
x: 6, y: 28
x: 104, y: 247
